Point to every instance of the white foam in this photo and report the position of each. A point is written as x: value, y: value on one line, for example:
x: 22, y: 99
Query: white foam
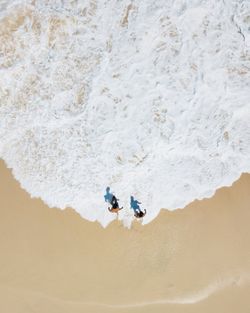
x: 150, y: 98
x: 232, y: 282
x: 196, y: 297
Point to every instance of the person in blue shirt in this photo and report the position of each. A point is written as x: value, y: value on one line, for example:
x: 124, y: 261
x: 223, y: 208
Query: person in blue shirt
x: 134, y: 204
x: 110, y: 198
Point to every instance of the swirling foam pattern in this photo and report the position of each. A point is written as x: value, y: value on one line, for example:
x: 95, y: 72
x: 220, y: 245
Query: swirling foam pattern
x: 149, y: 97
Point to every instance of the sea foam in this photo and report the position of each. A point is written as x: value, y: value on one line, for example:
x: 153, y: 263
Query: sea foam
x: 151, y: 98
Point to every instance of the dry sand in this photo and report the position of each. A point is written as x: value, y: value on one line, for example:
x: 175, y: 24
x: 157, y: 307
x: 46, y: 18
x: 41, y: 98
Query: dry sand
x: 191, y: 260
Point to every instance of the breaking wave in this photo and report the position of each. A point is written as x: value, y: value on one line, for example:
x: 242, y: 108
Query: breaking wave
x: 148, y: 97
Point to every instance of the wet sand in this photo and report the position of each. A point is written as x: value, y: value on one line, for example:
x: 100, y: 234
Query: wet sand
x: 191, y: 260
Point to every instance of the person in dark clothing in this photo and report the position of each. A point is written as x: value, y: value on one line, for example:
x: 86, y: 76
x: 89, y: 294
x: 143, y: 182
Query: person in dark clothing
x: 114, y: 203
x: 134, y: 204
x: 109, y: 197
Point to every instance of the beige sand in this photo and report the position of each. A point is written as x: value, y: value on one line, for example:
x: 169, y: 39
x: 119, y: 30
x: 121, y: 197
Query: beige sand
x: 191, y: 260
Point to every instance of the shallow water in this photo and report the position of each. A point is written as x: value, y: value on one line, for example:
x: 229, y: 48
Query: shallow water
x: 150, y: 98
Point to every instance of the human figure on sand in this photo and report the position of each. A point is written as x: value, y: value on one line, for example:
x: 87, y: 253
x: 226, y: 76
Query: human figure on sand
x: 109, y: 197
x: 134, y: 204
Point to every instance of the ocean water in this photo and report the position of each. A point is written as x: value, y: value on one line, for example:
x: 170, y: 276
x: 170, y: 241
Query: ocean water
x: 151, y: 98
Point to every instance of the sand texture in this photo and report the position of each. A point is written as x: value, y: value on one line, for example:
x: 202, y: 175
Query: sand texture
x: 191, y: 260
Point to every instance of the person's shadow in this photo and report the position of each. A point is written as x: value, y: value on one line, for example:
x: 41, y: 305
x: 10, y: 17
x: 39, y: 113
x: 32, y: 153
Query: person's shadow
x: 134, y: 204
x: 108, y: 196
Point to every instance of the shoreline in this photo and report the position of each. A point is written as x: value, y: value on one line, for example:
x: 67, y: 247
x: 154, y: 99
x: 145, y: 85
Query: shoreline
x: 55, y: 261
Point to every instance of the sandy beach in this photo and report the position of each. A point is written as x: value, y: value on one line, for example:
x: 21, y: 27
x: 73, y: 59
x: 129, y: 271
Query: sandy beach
x: 150, y: 98
x: 191, y: 260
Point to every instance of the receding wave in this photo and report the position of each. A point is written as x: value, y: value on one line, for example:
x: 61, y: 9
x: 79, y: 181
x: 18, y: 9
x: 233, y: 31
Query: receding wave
x: 150, y: 98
